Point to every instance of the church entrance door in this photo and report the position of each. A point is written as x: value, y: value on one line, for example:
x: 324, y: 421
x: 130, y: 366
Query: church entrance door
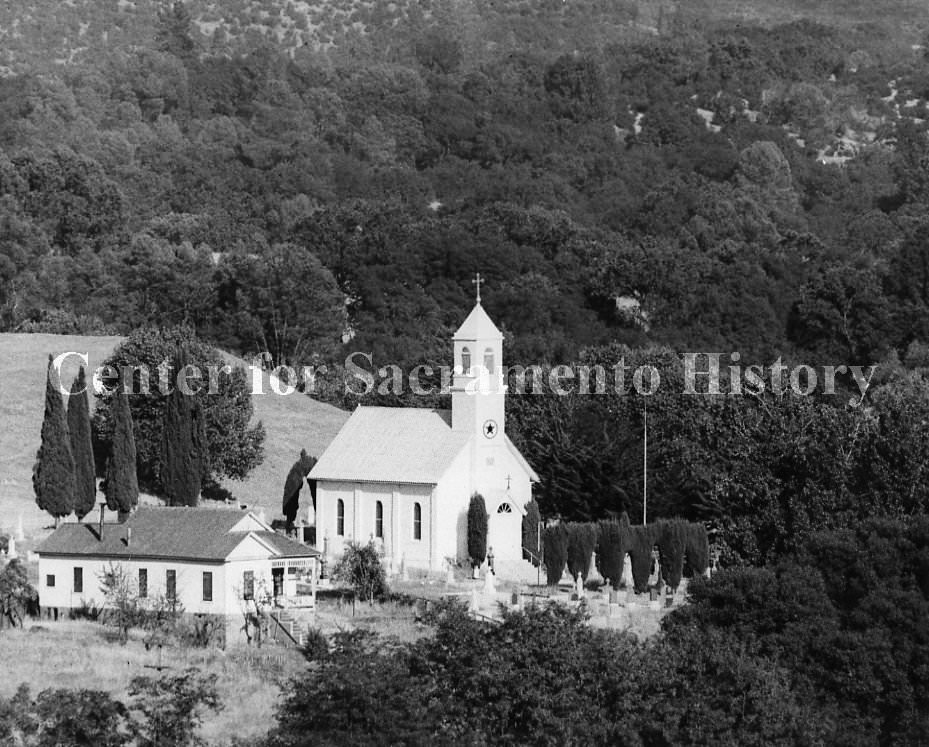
x: 504, y: 532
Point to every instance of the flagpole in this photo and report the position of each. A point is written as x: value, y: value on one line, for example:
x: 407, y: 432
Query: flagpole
x: 645, y: 466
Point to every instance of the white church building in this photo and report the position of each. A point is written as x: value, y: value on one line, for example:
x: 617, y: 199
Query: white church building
x: 405, y: 476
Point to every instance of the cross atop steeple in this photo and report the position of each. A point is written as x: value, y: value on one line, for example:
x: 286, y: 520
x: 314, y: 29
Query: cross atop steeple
x: 477, y: 282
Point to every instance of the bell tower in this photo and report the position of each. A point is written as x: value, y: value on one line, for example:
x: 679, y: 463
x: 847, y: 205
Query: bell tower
x: 478, y: 388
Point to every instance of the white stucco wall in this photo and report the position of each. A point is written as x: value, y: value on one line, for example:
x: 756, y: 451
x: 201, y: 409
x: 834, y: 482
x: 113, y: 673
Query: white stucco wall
x: 228, y: 579
x: 360, y: 500
x: 189, y: 583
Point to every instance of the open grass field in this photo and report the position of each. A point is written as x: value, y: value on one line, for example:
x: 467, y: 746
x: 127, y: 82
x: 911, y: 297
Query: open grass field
x: 79, y: 655
x: 292, y: 423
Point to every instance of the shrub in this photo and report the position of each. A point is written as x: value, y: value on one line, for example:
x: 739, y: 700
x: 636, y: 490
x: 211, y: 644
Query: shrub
x: 555, y: 545
x: 17, y: 596
x: 697, y: 548
x: 477, y: 530
x: 611, y: 551
x: 202, y: 631
x: 641, y: 542
x: 361, y: 567
x: 672, y: 541
x: 531, y: 526
x: 582, y: 541
x: 316, y: 646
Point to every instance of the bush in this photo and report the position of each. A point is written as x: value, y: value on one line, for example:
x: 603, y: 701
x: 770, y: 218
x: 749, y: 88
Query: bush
x: 202, y: 631
x: 697, y: 548
x: 316, y: 646
x: 611, y: 551
x: 18, y: 598
x: 531, y: 525
x: 641, y: 542
x: 555, y: 544
x: 672, y: 541
x: 477, y: 530
x: 361, y: 567
x: 582, y: 541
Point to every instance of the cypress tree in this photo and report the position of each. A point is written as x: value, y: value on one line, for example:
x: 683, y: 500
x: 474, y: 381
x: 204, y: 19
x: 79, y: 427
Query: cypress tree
x: 611, y: 551
x: 183, y: 448
x: 477, y: 530
x: 121, y: 485
x: 672, y: 543
x: 641, y: 542
x: 294, y: 482
x: 555, y: 544
x: 53, y: 472
x: 85, y: 480
x: 582, y: 541
x: 697, y: 550
x: 531, y: 535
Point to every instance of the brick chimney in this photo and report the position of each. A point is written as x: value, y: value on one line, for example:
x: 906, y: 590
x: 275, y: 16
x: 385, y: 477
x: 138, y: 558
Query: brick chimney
x: 100, y: 526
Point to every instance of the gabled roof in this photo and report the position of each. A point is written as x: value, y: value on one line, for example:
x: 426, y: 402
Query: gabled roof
x: 521, y: 459
x: 392, y: 444
x: 205, y: 534
x: 478, y: 326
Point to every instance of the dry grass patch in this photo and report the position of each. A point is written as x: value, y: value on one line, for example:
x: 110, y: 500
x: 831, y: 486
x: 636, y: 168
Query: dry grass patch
x: 78, y: 655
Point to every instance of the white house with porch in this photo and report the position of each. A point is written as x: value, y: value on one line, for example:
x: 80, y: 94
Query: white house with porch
x: 405, y: 476
x: 217, y: 561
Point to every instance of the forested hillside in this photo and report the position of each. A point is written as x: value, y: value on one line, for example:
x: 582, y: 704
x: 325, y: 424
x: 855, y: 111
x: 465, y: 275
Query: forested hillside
x: 316, y: 179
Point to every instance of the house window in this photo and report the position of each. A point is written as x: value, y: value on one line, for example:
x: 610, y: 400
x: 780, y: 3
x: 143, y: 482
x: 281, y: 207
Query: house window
x: 505, y: 508
x: 207, y: 586
x: 50, y: 580
x: 78, y: 580
x: 378, y: 519
x: 340, y: 517
x: 489, y: 360
x: 417, y: 521
x: 171, y: 585
x: 466, y: 361
x: 248, y: 585
x: 143, y: 583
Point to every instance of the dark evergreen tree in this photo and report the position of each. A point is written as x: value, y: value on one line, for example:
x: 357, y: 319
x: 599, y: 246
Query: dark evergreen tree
x: 672, y: 543
x: 532, y: 537
x: 294, y: 483
x: 697, y: 550
x: 53, y: 473
x: 183, y: 449
x: 641, y: 542
x: 611, y: 552
x: 85, y: 480
x: 555, y: 545
x: 582, y: 541
x: 121, y: 486
x: 477, y: 530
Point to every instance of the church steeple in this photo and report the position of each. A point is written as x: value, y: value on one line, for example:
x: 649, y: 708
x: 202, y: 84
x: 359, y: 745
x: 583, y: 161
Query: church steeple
x: 478, y: 389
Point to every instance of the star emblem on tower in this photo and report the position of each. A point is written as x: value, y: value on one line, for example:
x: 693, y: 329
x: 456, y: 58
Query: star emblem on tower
x: 490, y: 428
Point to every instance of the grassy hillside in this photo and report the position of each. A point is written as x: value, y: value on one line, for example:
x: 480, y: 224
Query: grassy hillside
x: 292, y: 423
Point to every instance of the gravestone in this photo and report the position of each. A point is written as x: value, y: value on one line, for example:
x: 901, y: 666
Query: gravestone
x: 489, y: 587
x: 627, y: 570
x: 20, y: 535
x: 11, y: 548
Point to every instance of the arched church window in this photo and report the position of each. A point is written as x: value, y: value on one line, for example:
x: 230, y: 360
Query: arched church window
x: 378, y: 519
x: 505, y: 508
x: 466, y: 361
x: 340, y: 517
x: 417, y: 521
x: 489, y: 360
